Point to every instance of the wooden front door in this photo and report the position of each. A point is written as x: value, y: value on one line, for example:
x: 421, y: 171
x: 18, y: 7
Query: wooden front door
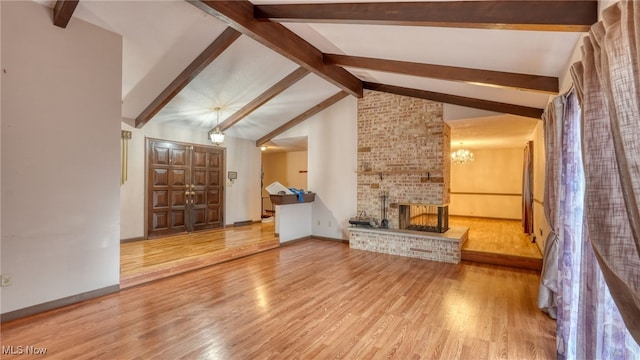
x: 184, y: 187
x: 207, y: 187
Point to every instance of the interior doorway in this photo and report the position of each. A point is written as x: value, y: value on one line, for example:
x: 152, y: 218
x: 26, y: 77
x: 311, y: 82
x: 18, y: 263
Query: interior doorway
x: 284, y: 161
x: 487, y: 197
x: 185, y: 188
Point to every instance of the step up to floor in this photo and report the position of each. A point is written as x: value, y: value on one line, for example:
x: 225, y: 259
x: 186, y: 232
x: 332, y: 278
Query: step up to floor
x: 195, y: 262
x: 503, y: 259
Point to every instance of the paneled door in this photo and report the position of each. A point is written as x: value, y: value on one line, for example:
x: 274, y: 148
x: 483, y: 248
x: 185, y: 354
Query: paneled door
x: 206, y: 187
x: 184, y: 187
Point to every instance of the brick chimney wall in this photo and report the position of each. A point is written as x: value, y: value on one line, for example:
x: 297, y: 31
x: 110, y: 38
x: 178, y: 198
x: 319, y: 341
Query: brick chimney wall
x: 404, y: 151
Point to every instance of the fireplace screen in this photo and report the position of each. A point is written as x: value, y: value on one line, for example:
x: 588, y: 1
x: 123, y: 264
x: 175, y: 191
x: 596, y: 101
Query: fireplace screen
x: 431, y: 218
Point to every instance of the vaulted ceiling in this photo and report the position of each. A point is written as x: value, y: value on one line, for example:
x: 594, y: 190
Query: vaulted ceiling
x: 271, y: 64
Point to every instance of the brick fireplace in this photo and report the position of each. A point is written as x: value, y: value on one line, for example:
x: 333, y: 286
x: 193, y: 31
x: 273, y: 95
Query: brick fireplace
x: 403, y: 151
x: 403, y: 158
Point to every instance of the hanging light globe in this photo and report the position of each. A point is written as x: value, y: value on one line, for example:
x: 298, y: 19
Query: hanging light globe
x: 215, y: 135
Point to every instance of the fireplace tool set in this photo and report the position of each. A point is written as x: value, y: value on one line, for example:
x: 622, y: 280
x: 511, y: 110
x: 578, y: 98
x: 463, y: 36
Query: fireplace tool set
x: 364, y: 220
x: 367, y: 221
x: 384, y: 223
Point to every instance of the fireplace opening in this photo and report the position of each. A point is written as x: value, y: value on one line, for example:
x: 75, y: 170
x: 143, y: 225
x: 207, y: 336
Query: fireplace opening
x: 429, y: 218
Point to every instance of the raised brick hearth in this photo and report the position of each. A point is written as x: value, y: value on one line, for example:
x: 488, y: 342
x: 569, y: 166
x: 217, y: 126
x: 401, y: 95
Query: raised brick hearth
x: 422, y: 245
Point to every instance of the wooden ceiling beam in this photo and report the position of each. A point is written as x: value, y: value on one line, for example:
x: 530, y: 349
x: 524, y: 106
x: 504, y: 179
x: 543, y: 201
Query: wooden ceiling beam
x: 217, y: 47
x: 239, y: 15
x: 302, y: 117
x: 269, y: 94
x: 482, y: 77
x: 458, y: 100
x: 544, y: 15
x: 62, y: 12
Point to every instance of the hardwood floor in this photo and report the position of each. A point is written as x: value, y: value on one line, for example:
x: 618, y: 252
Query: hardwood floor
x: 311, y: 299
x: 147, y: 260
x: 490, y: 241
x: 498, y: 241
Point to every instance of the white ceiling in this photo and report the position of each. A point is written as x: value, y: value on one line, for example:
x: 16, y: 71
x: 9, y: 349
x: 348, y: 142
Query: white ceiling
x: 160, y: 38
x: 500, y: 131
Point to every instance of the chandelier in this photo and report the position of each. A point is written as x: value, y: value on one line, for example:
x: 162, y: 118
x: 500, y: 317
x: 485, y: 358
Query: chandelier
x: 215, y: 135
x: 461, y: 156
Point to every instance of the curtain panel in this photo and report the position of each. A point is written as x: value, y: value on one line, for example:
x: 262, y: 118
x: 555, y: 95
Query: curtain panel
x: 608, y: 82
x: 527, y: 189
x: 553, y: 119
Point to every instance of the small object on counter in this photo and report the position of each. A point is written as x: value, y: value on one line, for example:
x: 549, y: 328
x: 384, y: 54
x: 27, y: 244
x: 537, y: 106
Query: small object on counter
x: 299, y: 193
x: 275, y: 188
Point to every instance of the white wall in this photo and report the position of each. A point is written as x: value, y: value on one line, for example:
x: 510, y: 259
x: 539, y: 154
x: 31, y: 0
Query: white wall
x: 242, y: 197
x: 494, y: 171
x: 332, y: 157
x: 293, y: 221
x: 60, y: 156
x: 0, y: 154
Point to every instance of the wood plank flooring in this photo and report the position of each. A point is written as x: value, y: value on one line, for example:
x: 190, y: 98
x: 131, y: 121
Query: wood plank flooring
x: 313, y: 299
x: 147, y: 260
x: 498, y: 241
x: 490, y: 241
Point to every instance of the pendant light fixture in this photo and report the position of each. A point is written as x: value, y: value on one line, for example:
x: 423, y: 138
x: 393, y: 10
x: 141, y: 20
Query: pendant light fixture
x: 215, y: 135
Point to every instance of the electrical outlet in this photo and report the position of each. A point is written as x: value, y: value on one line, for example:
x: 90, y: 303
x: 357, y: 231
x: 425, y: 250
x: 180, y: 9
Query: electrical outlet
x: 318, y: 223
x: 5, y: 280
x: 329, y: 223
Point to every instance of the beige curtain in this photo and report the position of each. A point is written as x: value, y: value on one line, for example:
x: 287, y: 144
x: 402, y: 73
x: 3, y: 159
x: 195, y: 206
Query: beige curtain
x: 527, y: 189
x: 553, y: 119
x: 608, y: 82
